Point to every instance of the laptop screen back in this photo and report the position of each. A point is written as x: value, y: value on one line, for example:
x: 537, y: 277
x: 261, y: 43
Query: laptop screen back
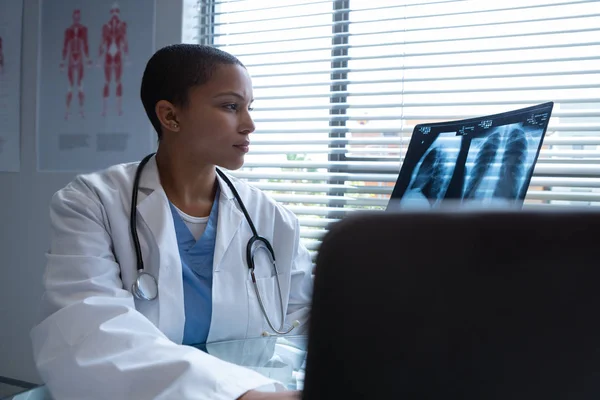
x: 484, y: 160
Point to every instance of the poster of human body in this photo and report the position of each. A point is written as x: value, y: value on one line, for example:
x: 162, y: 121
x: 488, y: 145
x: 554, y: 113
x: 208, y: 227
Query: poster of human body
x: 11, y: 12
x: 93, y: 55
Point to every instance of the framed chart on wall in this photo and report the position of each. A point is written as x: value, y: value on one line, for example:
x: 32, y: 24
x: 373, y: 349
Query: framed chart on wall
x: 92, y: 58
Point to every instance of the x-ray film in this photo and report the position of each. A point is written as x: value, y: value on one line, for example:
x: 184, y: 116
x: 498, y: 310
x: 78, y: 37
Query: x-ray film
x: 481, y: 161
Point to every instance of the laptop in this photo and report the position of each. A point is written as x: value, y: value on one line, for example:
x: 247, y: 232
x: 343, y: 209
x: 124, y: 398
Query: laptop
x: 487, y: 160
x: 470, y: 305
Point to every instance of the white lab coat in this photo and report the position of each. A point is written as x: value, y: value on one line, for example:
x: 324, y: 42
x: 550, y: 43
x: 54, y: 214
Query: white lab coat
x: 96, y: 341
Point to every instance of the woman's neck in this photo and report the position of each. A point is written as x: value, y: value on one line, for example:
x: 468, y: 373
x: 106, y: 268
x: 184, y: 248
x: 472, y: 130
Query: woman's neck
x: 189, y: 185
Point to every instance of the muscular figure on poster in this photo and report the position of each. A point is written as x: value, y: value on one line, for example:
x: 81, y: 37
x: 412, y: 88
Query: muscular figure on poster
x: 113, y: 51
x: 1, y: 57
x: 75, y: 48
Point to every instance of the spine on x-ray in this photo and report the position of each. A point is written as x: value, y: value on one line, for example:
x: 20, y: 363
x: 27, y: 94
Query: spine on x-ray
x: 513, y: 165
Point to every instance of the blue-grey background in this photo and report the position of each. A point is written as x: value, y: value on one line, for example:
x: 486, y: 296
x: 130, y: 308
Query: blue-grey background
x: 56, y: 16
x: 11, y: 12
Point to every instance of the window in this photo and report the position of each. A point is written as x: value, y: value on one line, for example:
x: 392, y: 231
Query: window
x: 340, y: 84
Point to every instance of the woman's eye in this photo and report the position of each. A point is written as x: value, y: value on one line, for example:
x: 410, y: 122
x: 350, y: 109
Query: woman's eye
x: 235, y: 107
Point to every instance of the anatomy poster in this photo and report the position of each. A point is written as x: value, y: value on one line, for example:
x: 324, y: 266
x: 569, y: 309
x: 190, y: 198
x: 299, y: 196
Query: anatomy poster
x: 10, y: 84
x: 93, y: 55
x: 486, y: 160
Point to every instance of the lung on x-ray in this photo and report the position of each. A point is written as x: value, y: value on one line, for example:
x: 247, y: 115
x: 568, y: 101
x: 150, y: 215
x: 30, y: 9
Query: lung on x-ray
x: 431, y: 176
x: 485, y: 160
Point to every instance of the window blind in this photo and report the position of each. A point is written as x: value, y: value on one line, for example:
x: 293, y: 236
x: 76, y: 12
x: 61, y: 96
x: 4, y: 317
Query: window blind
x: 340, y: 84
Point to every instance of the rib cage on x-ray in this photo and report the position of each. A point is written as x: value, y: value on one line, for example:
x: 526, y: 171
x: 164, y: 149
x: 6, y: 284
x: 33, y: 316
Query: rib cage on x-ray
x: 483, y: 163
x: 499, y: 167
x: 430, y: 177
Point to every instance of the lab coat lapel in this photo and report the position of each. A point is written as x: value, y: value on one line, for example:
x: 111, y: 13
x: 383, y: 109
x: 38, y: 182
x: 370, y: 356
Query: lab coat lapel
x: 155, y: 213
x: 230, y: 218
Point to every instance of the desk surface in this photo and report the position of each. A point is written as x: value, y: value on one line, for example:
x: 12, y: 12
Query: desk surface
x: 282, y: 358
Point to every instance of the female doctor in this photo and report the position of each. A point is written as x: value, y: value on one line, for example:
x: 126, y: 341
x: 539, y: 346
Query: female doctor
x: 148, y: 258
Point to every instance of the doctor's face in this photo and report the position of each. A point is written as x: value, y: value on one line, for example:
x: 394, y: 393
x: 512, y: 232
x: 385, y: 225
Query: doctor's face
x: 216, y: 123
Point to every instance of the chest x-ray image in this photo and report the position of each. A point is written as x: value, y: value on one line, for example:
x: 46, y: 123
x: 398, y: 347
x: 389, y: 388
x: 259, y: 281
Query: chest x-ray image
x: 499, y: 163
x: 484, y: 160
x: 431, y: 177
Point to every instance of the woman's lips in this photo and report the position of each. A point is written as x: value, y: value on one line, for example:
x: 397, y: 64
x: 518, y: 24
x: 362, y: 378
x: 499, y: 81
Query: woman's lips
x: 243, y: 147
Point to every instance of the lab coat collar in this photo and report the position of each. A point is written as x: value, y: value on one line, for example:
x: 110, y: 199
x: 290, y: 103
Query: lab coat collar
x: 154, y: 211
x: 230, y: 219
x: 225, y: 190
x: 150, y: 178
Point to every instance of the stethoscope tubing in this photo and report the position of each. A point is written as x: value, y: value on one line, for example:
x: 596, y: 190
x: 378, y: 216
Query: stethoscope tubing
x: 136, y: 289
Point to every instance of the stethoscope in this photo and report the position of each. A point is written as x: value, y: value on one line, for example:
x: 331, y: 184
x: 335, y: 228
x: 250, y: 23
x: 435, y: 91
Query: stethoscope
x: 145, y: 286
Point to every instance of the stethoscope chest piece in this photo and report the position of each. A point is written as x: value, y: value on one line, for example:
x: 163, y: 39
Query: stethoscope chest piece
x: 145, y: 286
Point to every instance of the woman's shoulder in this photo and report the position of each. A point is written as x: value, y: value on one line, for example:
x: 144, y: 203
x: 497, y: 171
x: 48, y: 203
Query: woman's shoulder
x: 116, y: 178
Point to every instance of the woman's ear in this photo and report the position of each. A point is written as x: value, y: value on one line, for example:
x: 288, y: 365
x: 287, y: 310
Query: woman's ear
x: 167, y: 115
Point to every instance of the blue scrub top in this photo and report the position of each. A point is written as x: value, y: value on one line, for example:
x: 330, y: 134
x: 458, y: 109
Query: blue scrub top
x: 197, y: 265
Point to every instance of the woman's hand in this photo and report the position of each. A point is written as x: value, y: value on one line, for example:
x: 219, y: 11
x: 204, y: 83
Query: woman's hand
x: 255, y: 395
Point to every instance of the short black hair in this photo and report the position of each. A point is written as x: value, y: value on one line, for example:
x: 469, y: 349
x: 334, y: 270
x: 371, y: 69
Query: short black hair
x: 173, y: 70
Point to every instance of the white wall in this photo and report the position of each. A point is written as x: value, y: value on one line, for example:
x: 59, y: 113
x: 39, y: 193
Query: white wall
x: 24, y: 199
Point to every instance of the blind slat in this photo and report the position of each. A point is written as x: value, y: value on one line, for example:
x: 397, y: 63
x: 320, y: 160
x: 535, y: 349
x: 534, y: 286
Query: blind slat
x: 413, y: 42
x: 387, y: 189
x: 447, y: 38
x: 397, y: 6
x: 367, y: 202
x: 474, y: 102
x: 433, y: 117
x: 392, y: 177
x: 554, y: 169
x: 287, y: 5
x: 316, y: 222
x: 430, y: 66
x: 394, y: 153
x: 556, y: 141
x: 342, y: 71
x: 399, y: 19
x: 430, y: 2
x: 382, y: 203
x: 583, y: 127
x: 269, y: 8
x: 537, y: 74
